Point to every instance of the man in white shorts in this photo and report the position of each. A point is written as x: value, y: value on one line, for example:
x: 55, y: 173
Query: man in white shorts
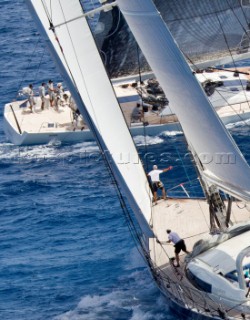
x: 156, y: 182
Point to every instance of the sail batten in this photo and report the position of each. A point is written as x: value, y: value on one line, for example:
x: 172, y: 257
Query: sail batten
x: 200, y: 123
x: 81, y: 67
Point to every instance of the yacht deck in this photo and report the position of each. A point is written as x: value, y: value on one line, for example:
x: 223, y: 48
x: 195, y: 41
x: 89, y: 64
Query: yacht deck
x: 190, y: 219
x: 50, y: 120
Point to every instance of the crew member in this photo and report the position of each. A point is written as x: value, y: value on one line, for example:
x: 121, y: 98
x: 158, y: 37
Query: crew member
x: 179, y: 245
x: 156, y: 182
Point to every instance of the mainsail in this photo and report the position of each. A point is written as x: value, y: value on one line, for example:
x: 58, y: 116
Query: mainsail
x: 209, y: 33
x: 70, y: 41
x: 222, y: 162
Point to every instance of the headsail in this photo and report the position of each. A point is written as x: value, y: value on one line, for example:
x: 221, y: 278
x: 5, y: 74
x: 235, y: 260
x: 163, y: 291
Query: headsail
x: 223, y: 163
x: 77, y: 57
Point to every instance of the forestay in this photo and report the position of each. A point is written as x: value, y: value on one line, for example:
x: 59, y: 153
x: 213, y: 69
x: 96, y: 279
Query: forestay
x: 223, y: 163
x: 85, y: 75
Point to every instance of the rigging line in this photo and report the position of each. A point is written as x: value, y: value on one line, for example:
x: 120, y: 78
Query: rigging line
x: 197, y: 234
x: 231, y: 105
x: 232, y: 9
x: 228, y: 47
x: 182, y: 163
x: 51, y: 9
x: 104, y: 57
x: 47, y: 11
x: 117, y: 26
x: 140, y: 81
x: 66, y: 62
x: 129, y: 220
x: 179, y: 156
x: 144, y: 131
x: 57, y: 39
x: 136, y: 236
x: 234, y: 216
x: 106, y: 162
x: 239, y: 206
x: 148, y: 189
x: 204, y: 216
x: 178, y: 185
x: 83, y: 75
x: 218, y: 91
x: 167, y: 255
x: 39, y: 65
x: 179, y: 125
x: 226, y: 41
x: 29, y: 62
x: 132, y: 228
x: 243, y: 12
x: 194, y: 16
x: 203, y: 297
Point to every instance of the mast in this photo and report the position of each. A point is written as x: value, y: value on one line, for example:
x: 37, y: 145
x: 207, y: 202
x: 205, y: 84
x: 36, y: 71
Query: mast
x: 218, y: 158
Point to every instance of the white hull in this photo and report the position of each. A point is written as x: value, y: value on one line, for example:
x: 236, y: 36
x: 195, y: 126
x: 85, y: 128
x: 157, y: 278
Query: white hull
x: 28, y: 138
x: 232, y: 106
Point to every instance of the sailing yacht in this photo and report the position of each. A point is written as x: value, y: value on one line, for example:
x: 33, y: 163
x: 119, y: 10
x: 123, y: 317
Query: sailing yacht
x: 227, y: 90
x: 210, y: 283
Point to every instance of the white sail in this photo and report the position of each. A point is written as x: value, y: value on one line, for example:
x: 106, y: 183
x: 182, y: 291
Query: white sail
x: 222, y: 162
x: 79, y: 63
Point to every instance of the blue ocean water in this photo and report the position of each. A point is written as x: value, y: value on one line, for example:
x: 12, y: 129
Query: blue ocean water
x: 65, y: 250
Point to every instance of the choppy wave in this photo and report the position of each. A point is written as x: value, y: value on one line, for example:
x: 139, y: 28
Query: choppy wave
x: 11, y: 153
x: 171, y: 133
x: 147, y: 140
x: 68, y: 254
x: 129, y: 304
x: 238, y: 124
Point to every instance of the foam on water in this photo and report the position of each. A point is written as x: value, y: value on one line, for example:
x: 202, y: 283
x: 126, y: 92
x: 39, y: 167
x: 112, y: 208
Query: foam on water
x: 147, y: 140
x: 66, y: 250
x: 48, y: 151
x: 238, y: 124
x: 154, y: 140
x: 129, y: 304
x: 171, y: 133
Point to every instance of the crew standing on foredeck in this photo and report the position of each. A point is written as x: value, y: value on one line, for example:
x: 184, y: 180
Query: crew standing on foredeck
x: 51, y: 92
x: 42, y: 94
x: 69, y: 101
x: 156, y: 182
x: 31, y: 98
x: 179, y: 245
x: 59, y: 95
